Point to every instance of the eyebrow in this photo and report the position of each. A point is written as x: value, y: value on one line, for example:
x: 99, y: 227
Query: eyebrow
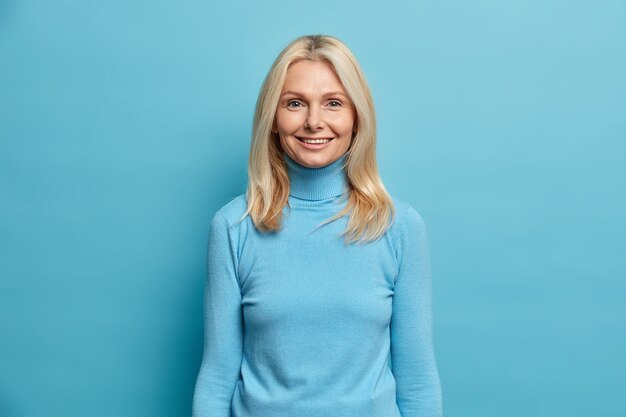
x: 330, y: 93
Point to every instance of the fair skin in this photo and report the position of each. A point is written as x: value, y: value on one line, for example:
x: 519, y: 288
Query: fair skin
x: 313, y: 104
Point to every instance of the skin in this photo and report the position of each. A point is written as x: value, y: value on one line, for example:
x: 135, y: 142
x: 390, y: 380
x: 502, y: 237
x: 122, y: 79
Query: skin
x: 314, y: 104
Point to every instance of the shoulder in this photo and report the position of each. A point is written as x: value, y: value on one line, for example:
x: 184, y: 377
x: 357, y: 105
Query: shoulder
x: 408, y: 234
x: 232, y: 211
x: 406, y: 219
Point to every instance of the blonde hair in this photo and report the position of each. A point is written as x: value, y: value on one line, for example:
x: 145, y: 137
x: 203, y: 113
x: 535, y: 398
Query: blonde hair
x: 369, y: 206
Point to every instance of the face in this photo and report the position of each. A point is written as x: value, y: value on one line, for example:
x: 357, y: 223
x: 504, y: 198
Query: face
x: 314, y: 105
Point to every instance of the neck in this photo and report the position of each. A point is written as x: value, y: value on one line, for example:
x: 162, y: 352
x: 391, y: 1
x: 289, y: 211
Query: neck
x: 317, y: 183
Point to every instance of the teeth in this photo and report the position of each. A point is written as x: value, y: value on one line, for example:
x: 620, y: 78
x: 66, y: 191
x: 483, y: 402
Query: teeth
x: 315, y: 140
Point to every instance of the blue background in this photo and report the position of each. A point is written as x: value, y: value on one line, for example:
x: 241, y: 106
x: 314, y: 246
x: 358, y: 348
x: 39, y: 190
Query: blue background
x: 125, y: 125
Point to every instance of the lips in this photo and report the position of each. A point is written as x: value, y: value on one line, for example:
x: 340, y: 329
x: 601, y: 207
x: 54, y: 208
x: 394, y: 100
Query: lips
x: 301, y: 138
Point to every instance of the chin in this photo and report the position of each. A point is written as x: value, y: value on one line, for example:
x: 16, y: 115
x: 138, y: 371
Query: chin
x: 315, y: 161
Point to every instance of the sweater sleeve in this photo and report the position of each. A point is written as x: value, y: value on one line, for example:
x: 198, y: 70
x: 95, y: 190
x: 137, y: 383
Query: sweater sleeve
x: 418, y: 389
x: 223, y: 332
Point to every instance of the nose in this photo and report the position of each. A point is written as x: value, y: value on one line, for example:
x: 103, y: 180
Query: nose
x: 313, y: 120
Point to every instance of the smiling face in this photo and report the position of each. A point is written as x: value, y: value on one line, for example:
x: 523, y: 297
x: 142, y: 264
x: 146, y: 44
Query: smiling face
x: 314, y: 105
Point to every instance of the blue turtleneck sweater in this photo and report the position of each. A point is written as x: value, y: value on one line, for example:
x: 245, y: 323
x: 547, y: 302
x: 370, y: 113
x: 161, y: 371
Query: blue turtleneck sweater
x: 299, y: 324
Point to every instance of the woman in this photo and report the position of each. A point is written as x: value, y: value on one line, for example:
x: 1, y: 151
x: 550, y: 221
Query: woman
x: 298, y: 321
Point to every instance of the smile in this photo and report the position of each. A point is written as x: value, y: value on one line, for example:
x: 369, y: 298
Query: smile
x: 314, y: 140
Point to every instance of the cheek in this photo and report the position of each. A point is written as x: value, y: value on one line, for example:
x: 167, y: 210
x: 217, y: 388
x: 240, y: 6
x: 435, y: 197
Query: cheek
x: 287, y: 122
x: 344, y: 124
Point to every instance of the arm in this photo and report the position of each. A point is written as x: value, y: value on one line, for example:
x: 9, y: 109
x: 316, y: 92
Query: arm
x: 418, y: 389
x: 223, y: 332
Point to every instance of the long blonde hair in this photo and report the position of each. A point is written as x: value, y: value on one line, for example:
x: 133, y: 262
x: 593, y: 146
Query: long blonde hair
x: 369, y: 206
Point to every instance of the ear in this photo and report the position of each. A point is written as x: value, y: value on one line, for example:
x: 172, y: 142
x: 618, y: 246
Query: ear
x: 274, y: 127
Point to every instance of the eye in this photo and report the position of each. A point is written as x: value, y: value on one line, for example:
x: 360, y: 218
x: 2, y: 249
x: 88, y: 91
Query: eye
x: 335, y: 103
x: 294, y: 103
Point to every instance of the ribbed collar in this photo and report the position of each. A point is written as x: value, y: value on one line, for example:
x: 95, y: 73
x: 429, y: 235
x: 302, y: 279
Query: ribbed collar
x: 317, y: 183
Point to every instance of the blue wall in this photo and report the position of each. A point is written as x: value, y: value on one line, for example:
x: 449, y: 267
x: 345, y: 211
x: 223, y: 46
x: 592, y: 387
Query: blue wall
x: 124, y: 125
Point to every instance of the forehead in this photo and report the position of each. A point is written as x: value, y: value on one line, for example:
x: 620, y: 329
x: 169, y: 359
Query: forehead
x: 312, y: 77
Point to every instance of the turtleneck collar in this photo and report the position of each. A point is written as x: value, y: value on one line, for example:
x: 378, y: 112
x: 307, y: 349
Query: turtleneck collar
x: 317, y: 183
